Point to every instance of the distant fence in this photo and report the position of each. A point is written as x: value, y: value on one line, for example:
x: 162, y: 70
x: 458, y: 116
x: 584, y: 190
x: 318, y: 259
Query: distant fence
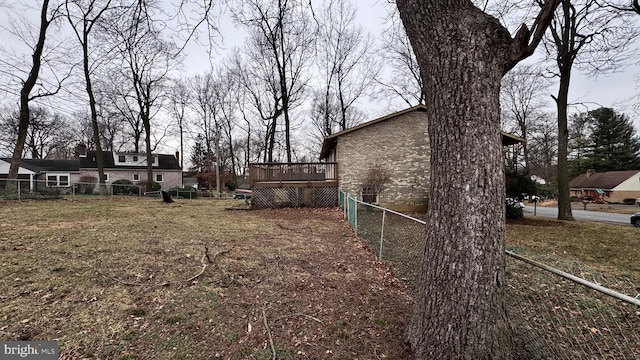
x: 43, y: 189
x: 559, y: 316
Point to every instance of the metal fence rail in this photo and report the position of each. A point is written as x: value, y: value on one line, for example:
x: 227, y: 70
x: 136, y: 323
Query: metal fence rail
x: 573, y: 313
x: 44, y: 190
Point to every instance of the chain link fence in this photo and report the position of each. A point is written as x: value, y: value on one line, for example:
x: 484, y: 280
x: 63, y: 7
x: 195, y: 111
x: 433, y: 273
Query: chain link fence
x: 43, y: 189
x: 562, y: 310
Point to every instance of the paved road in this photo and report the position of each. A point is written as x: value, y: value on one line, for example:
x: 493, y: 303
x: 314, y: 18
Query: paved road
x: 552, y: 212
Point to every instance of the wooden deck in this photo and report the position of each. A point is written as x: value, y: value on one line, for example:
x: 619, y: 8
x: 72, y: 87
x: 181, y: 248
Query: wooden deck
x: 277, y: 185
x: 271, y: 175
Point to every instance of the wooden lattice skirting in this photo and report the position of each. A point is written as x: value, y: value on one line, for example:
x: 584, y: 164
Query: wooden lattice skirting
x: 294, y: 197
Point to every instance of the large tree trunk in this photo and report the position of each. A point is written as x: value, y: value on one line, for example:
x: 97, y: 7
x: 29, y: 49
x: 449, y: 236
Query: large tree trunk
x: 463, y: 54
x: 565, y: 56
x: 564, y: 199
x: 27, y: 86
x: 94, y: 110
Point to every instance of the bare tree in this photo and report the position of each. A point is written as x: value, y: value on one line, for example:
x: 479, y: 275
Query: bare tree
x: 46, y: 19
x: 83, y: 16
x: 46, y: 135
x: 147, y: 60
x: 179, y: 102
x: 542, y: 148
x: 522, y: 99
x: 346, y: 64
x: 463, y: 54
x: 117, y: 102
x: 589, y: 36
x: 281, y: 41
x: 403, y: 80
x: 260, y: 104
x: 206, y: 121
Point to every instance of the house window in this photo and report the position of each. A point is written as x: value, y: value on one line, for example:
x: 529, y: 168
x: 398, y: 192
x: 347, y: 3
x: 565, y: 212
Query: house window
x: 158, y: 177
x: 121, y: 158
x: 369, y: 195
x: 63, y: 180
x: 57, y: 180
x: 135, y: 158
x: 106, y: 177
x: 136, y: 177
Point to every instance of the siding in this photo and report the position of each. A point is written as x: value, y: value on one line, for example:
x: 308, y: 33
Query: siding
x: 401, y: 144
x: 170, y: 178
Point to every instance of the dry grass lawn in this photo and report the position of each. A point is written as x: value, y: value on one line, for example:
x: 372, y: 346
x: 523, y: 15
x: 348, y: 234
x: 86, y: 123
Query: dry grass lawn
x: 140, y: 279
x: 130, y: 278
x: 609, y: 248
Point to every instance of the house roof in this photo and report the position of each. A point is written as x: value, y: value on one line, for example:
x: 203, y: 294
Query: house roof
x: 603, y: 180
x: 165, y: 162
x: 330, y: 141
x: 43, y: 165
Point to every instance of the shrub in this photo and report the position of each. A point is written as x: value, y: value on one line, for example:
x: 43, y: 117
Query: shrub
x: 154, y: 187
x: 231, y: 185
x: 87, y: 184
x: 629, y: 201
x: 514, y: 209
x: 124, y: 187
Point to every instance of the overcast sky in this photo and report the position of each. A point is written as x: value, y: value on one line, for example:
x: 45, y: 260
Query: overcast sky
x: 613, y: 90
x: 619, y: 90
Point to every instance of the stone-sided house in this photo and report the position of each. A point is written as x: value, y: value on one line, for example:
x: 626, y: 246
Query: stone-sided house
x: 399, y: 142
x: 611, y: 186
x: 45, y: 174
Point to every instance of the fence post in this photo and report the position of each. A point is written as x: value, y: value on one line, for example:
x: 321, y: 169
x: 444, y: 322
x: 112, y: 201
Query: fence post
x: 19, y: 191
x: 384, y: 215
x: 344, y: 205
x: 355, y: 214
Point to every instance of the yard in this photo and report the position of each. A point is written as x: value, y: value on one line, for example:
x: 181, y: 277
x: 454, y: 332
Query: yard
x: 139, y: 279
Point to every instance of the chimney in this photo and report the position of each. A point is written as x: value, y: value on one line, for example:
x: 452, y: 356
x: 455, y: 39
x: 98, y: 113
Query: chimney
x: 81, y: 150
x: 178, y: 156
x: 590, y: 172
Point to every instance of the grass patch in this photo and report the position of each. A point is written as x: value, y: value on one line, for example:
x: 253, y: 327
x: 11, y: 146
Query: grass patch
x: 609, y: 248
x: 134, y: 278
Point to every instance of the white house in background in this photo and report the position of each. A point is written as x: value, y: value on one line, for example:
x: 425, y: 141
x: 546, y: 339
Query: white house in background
x: 26, y: 176
x: 63, y: 174
x: 133, y: 167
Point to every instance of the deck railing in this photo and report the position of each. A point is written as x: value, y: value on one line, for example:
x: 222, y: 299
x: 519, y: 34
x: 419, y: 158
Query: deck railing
x: 265, y: 174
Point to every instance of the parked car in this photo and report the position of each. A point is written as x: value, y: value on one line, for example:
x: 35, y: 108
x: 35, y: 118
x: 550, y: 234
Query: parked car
x: 635, y: 220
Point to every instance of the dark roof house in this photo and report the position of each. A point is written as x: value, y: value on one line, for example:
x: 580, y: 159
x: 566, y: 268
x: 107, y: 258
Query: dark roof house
x: 117, y: 165
x: 615, y: 186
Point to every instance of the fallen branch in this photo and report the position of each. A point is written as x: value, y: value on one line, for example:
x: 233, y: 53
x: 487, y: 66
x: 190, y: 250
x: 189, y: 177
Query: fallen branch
x: 298, y: 230
x: 167, y: 283
x: 298, y: 314
x: 266, y: 325
x: 204, y: 266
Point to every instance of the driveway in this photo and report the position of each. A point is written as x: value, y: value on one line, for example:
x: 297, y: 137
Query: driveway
x: 552, y: 212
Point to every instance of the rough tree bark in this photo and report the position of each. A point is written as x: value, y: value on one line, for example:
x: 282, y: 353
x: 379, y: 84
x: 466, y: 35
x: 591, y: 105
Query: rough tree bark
x: 463, y: 54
